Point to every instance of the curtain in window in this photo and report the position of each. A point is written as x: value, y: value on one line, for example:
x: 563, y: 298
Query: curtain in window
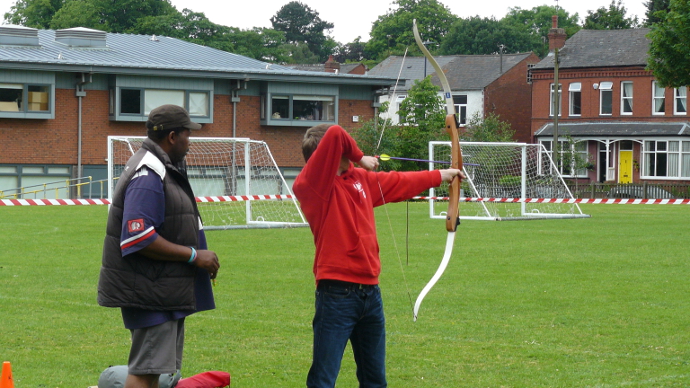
x: 682, y: 99
x: 659, y: 98
x: 155, y: 98
x: 673, y: 156
x: 198, y: 104
x: 627, y: 97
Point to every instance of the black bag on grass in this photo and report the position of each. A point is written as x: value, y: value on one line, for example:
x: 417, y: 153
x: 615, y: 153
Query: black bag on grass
x: 115, y: 376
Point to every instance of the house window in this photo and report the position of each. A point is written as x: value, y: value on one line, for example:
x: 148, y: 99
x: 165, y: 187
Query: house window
x: 24, y: 98
x: 575, y: 98
x: 681, y: 100
x: 626, y: 98
x: 551, y: 99
x: 460, y: 102
x: 399, y: 100
x: 658, y: 99
x: 303, y: 107
x: 666, y: 158
x: 140, y: 102
x: 572, y: 157
x: 606, y: 98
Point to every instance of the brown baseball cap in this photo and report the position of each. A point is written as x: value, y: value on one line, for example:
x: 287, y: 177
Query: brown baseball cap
x: 170, y: 117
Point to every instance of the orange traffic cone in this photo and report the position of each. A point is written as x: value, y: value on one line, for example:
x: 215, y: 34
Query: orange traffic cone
x: 6, y: 380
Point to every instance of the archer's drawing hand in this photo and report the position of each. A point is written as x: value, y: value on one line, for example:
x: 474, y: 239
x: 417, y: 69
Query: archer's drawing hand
x: 448, y: 175
x: 369, y: 163
x: 209, y: 261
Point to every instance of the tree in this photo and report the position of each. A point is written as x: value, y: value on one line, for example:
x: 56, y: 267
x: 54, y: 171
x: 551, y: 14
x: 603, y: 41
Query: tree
x: 670, y: 46
x: 488, y: 129
x: 611, y: 18
x: 33, y: 13
x: 264, y: 44
x: 301, y: 24
x: 478, y: 36
x: 422, y: 119
x: 76, y: 13
x: 392, y: 33
x: 654, y: 6
x: 350, y: 52
x: 538, y: 21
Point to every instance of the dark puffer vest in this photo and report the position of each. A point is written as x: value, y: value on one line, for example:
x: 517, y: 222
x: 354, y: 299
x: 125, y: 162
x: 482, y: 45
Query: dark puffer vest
x: 135, y: 280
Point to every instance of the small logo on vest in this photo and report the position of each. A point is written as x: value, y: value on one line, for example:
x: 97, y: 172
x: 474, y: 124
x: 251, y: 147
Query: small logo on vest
x: 135, y: 225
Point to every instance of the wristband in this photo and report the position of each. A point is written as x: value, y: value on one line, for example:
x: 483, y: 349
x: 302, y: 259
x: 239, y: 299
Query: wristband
x: 193, y: 257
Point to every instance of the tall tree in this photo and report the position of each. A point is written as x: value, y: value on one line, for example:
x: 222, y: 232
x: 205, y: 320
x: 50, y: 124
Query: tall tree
x: 477, y: 36
x: 301, y: 24
x: 654, y: 6
x: 33, y: 13
x: 392, y: 33
x: 610, y: 18
x: 538, y: 21
x: 422, y: 116
x: 670, y: 46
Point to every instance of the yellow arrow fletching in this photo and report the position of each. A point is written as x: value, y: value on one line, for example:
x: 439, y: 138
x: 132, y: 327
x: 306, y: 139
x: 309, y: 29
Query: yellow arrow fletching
x: 384, y: 157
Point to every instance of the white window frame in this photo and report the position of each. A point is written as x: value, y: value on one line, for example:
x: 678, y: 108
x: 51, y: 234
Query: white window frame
x: 658, y: 99
x: 674, y: 154
x: 605, y: 88
x: 574, y: 89
x: 625, y: 98
x: 560, y: 99
x: 577, y: 147
x: 680, y: 101
x: 461, y: 109
x: 324, y: 113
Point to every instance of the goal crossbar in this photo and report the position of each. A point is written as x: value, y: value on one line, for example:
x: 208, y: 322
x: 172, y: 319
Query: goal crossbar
x: 505, y: 170
x: 236, y: 180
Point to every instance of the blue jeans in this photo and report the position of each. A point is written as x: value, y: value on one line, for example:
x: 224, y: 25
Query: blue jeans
x: 348, y: 312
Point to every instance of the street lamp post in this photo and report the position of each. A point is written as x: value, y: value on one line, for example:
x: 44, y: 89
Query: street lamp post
x: 426, y: 44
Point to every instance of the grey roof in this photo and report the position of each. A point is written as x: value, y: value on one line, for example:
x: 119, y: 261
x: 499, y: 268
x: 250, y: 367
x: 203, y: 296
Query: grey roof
x: 602, y: 48
x: 464, y: 72
x: 156, y: 55
x: 618, y: 128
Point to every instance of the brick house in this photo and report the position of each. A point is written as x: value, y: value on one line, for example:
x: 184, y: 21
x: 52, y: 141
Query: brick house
x: 480, y: 84
x: 612, y: 112
x: 63, y: 92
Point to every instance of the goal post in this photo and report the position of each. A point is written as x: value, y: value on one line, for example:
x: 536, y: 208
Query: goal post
x: 236, y: 181
x: 511, y: 171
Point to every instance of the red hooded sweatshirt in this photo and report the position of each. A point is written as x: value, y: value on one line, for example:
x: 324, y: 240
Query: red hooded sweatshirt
x: 340, y: 209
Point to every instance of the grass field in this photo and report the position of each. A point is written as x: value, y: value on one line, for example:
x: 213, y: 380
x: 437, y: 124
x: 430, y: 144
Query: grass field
x: 598, y: 302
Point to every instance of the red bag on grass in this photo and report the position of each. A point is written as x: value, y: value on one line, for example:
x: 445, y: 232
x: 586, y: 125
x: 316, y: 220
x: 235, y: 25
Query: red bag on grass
x: 206, y: 380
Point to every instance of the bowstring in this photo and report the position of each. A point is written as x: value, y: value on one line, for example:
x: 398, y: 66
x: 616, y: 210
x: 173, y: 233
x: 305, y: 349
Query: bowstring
x: 383, y: 199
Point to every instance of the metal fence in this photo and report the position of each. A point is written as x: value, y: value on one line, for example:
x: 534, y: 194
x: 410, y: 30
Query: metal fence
x: 631, y: 190
x: 84, y: 187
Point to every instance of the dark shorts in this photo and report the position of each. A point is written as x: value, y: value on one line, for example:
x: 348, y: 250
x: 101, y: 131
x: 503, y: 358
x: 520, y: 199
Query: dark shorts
x: 157, y: 349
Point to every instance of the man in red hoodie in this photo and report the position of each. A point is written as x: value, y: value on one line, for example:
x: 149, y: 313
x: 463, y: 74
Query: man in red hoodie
x: 338, y: 201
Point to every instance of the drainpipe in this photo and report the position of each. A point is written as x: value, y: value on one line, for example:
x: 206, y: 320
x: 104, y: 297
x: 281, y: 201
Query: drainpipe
x: 80, y: 92
x: 235, y: 98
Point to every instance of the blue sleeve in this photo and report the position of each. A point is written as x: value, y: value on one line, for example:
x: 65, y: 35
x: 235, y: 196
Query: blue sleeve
x: 144, y: 211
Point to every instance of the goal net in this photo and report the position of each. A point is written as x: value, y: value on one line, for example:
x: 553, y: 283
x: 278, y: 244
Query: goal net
x: 505, y: 181
x: 236, y: 181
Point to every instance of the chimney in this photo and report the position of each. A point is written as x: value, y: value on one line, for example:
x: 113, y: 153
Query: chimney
x: 331, y: 66
x: 557, y: 35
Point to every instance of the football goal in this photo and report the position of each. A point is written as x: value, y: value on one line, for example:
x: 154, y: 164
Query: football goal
x: 505, y: 181
x: 236, y: 181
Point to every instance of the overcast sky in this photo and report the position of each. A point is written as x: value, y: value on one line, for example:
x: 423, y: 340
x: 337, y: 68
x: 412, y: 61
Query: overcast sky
x: 354, y: 18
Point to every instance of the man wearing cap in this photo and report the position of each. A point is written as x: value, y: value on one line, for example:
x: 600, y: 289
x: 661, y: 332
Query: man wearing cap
x: 155, y: 266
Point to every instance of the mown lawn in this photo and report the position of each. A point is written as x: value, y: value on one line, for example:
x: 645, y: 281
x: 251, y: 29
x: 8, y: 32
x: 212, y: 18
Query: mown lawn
x: 598, y: 302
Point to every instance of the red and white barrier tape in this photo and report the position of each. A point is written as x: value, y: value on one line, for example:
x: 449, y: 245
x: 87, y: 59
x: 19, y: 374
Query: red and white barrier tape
x: 605, y: 201
x: 48, y: 202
